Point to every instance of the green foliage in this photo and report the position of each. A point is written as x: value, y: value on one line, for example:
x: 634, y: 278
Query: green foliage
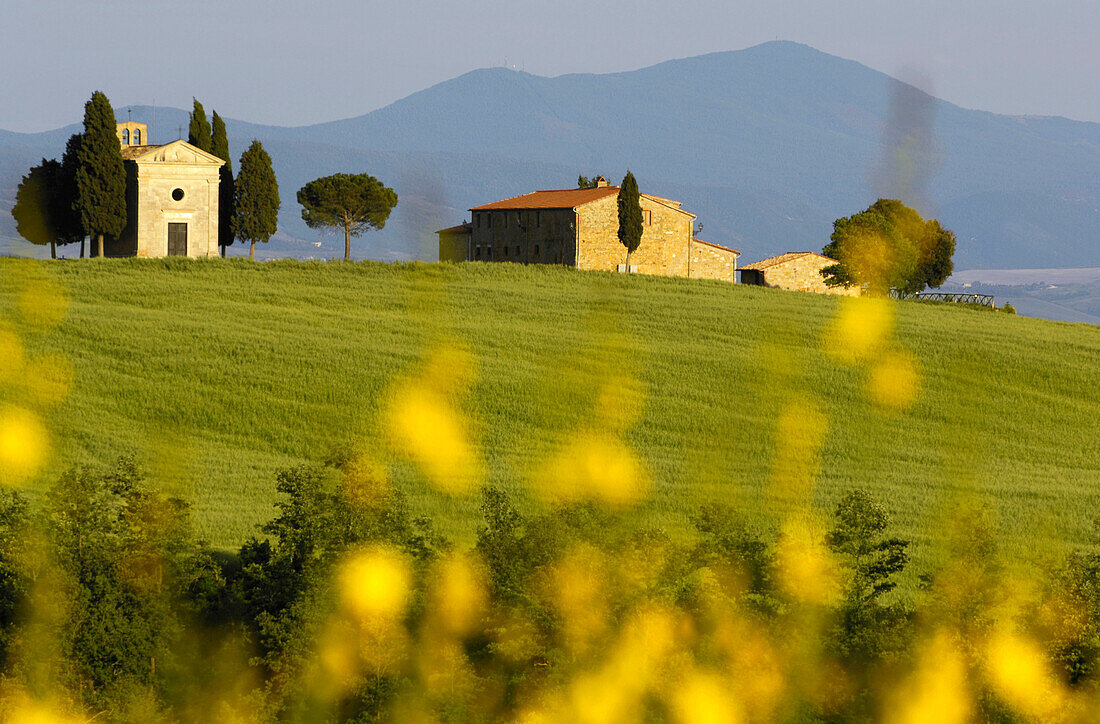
x: 71, y: 229
x: 226, y: 186
x: 1008, y: 308
x: 583, y: 182
x: 38, y: 201
x: 256, y: 200
x: 353, y: 203
x: 889, y: 247
x: 199, y: 133
x: 100, y: 175
x: 630, y: 215
x: 868, y: 628
x: 13, y: 583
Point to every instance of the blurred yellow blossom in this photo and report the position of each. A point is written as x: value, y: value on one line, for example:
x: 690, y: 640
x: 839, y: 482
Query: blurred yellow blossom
x: 24, y: 443
x: 43, y: 303
x: 937, y: 691
x: 861, y: 327
x: 594, y: 467
x: 1020, y: 673
x: 460, y: 595
x: 894, y: 381
x: 579, y: 593
x: 705, y: 699
x: 800, y: 431
x: 425, y: 426
x: 374, y: 583
x: 807, y: 571
x: 11, y: 353
x: 48, y: 379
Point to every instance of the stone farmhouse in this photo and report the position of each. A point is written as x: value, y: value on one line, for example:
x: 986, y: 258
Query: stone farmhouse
x: 171, y: 198
x: 797, y: 271
x: 579, y: 228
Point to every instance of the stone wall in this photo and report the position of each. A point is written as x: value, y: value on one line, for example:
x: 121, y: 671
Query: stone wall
x: 454, y: 246
x: 803, y: 274
x: 665, y: 235
x: 713, y: 262
x: 528, y: 236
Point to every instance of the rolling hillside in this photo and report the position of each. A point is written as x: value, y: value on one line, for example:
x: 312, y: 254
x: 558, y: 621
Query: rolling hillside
x: 217, y: 374
x: 767, y: 145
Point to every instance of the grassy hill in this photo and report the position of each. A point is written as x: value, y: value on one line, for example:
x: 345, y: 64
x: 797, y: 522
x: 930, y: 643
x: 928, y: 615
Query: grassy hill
x: 218, y: 373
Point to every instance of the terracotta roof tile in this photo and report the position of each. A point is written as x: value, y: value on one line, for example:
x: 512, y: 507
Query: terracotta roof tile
x: 552, y: 199
x: 782, y: 259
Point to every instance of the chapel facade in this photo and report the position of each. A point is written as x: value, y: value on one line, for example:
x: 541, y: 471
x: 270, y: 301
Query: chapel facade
x: 171, y: 198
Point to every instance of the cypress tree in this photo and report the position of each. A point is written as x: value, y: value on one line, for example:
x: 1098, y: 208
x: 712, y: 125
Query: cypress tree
x: 70, y: 162
x: 256, y: 209
x: 220, y: 148
x: 198, y: 132
x: 630, y: 216
x: 100, y: 175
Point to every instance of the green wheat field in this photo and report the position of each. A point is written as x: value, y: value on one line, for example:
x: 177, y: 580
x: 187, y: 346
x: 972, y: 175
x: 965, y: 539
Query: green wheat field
x: 215, y: 374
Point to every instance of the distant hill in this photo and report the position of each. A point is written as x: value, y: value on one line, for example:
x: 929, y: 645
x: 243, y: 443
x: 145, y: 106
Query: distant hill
x: 767, y: 145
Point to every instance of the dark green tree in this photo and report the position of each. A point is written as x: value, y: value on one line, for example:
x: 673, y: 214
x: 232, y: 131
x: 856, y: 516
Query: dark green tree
x: 889, y: 247
x: 220, y: 149
x: 859, y: 540
x: 353, y: 203
x: 198, y: 131
x: 36, y: 205
x: 630, y: 216
x: 256, y: 198
x: 100, y: 175
x: 583, y: 182
x: 70, y: 162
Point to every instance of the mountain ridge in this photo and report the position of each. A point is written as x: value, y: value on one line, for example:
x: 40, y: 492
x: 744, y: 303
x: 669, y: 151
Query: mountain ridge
x: 767, y: 145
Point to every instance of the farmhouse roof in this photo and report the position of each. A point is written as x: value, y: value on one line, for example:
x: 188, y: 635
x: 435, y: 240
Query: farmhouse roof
x: 783, y: 259
x: 463, y: 228
x: 716, y: 246
x: 552, y: 199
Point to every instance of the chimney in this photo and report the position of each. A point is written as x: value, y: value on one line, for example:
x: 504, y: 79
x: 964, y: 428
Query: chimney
x: 601, y: 182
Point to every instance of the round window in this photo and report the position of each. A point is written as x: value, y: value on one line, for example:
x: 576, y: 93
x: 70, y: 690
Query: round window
x: 177, y: 194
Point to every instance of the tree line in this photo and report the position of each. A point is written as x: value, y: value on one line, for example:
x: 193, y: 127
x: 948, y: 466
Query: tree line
x: 346, y: 607
x: 84, y: 194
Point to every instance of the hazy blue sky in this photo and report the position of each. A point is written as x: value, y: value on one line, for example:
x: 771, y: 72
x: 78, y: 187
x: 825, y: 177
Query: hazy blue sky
x: 292, y: 63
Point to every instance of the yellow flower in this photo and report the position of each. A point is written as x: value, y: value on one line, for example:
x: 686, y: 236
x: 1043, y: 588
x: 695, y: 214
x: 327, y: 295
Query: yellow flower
x: 1020, y: 673
x: 11, y: 354
x: 594, y: 467
x: 937, y: 692
x: 894, y: 381
x: 425, y: 427
x: 703, y: 699
x: 374, y: 584
x: 24, y: 443
x: 861, y: 327
x: 807, y: 571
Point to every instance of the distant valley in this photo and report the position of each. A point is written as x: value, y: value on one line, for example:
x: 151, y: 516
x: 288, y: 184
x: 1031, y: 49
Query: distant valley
x: 767, y: 146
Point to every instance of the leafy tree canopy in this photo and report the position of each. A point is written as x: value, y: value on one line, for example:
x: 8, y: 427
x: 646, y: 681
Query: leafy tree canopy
x: 583, y: 182
x: 353, y: 203
x: 889, y: 247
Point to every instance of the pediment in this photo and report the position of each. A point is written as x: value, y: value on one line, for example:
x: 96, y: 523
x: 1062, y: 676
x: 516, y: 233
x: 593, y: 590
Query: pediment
x: 179, y: 152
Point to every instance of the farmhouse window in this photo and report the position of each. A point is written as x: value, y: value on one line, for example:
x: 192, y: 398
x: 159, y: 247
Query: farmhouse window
x: 517, y: 251
x: 538, y: 219
x: 536, y: 251
x: 125, y: 137
x: 137, y: 137
x: 648, y: 216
